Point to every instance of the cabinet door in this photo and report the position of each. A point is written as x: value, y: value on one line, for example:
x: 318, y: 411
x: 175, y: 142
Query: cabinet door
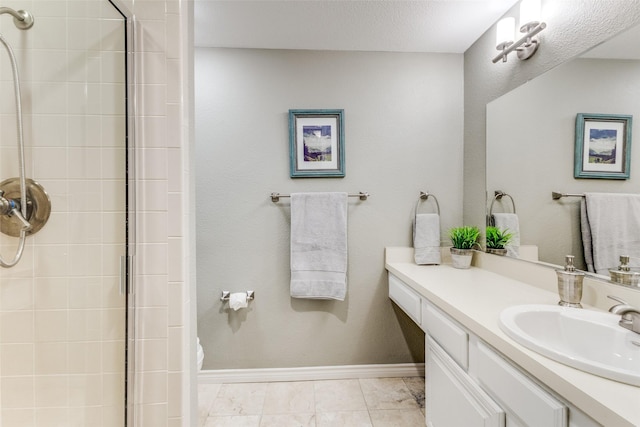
x: 453, y: 399
x: 521, y: 397
x: 406, y: 298
x: 451, y: 337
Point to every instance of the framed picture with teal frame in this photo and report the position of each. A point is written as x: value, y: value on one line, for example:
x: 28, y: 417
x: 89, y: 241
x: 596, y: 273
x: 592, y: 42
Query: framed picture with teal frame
x: 603, y: 146
x: 316, y: 143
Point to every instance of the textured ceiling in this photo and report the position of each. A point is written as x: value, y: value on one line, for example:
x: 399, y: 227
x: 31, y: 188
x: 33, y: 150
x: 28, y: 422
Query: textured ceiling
x: 438, y: 26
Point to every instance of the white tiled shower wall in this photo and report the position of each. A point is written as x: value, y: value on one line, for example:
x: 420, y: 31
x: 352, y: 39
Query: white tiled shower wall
x: 52, y: 297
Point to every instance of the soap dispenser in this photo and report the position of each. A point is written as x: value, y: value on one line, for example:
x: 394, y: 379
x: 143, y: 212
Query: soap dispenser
x: 570, y: 284
x: 624, y: 274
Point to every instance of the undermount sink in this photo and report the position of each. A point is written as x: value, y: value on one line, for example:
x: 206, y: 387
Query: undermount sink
x: 588, y: 340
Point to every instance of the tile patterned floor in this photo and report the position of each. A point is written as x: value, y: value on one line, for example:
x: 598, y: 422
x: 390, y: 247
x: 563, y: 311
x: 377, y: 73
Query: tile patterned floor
x: 375, y: 402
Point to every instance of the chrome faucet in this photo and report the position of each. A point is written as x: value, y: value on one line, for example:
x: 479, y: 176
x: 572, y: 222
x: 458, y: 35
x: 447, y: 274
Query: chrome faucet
x: 629, y: 315
x: 11, y: 207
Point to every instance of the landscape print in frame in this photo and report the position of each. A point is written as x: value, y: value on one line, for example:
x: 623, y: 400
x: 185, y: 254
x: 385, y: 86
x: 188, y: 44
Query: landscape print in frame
x: 603, y: 146
x: 316, y: 143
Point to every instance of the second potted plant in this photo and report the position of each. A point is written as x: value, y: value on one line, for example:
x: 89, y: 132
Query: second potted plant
x: 497, y: 240
x: 464, y: 239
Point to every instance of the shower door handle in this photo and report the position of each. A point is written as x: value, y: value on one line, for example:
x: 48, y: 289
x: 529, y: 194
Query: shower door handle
x: 126, y: 272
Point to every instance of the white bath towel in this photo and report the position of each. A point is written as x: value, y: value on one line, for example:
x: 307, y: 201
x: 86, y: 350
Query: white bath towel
x: 426, y: 238
x: 510, y: 223
x: 585, y: 229
x: 613, y: 221
x: 319, y: 245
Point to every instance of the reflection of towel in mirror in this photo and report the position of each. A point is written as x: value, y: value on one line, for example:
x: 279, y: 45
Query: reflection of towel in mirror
x: 426, y: 238
x: 510, y: 223
x: 610, y: 224
x: 585, y: 229
x: 319, y: 245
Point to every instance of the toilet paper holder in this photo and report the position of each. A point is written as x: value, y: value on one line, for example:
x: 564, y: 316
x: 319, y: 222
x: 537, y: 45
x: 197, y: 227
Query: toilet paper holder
x: 226, y: 294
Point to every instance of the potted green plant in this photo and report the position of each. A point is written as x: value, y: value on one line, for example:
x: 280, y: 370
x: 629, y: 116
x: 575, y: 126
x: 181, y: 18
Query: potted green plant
x: 463, y: 239
x: 497, y: 240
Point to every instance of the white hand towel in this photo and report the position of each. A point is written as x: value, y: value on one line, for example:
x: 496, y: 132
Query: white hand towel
x: 614, y: 224
x: 426, y: 238
x: 319, y: 245
x: 509, y: 222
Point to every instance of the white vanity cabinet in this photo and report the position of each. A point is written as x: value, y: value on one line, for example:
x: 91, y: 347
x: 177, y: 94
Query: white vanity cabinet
x: 453, y: 339
x: 525, y: 402
x: 468, y: 383
x: 406, y: 298
x: 452, y: 397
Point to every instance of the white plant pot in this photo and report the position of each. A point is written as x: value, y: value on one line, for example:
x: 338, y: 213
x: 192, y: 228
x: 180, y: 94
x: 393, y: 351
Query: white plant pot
x: 461, y: 258
x: 495, y: 251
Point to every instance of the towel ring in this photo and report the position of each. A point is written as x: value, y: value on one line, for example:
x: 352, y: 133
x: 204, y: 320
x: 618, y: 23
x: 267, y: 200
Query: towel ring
x: 498, y: 195
x: 425, y: 196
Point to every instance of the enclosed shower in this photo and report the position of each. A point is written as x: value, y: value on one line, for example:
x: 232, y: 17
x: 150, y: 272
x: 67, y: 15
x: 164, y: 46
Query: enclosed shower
x: 63, y: 213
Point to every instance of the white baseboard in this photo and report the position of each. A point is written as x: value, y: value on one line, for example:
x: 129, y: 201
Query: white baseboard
x: 218, y: 376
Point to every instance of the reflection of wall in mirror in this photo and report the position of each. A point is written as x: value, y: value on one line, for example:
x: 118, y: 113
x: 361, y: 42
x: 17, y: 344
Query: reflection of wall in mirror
x: 530, y: 147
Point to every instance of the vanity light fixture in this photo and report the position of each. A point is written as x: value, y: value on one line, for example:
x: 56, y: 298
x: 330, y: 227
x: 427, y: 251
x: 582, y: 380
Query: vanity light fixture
x: 530, y: 25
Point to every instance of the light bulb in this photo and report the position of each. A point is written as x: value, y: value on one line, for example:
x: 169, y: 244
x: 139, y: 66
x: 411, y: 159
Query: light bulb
x: 505, y: 32
x: 529, y: 14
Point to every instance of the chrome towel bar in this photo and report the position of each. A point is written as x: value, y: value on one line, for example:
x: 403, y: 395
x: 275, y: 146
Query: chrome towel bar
x: 557, y: 196
x: 275, y: 197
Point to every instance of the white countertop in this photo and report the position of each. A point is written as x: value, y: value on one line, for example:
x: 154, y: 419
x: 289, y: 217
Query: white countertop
x: 475, y: 297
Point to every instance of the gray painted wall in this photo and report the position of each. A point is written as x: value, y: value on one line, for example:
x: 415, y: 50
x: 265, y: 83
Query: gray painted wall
x: 403, y: 135
x: 403, y: 119
x: 573, y: 26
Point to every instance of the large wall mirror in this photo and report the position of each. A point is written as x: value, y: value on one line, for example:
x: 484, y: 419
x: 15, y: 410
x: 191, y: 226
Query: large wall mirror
x: 531, y: 143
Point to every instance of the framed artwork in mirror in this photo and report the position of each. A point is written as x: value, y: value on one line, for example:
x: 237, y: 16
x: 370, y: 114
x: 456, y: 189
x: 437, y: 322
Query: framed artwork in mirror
x: 316, y: 143
x: 602, y: 146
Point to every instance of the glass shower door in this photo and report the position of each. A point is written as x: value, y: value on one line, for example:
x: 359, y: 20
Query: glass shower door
x: 63, y: 316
